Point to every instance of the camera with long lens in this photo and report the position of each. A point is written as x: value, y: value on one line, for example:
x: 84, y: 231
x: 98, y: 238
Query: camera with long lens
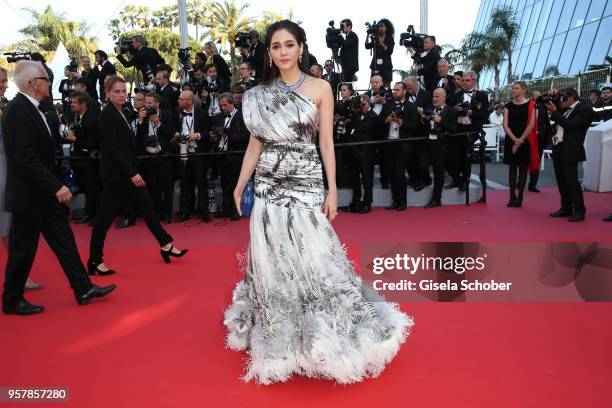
x: 384, y: 92
x: 125, y: 44
x: 413, y: 40
x: 466, y: 106
x: 181, y: 139
x: 183, y: 55
x: 12, y: 57
x: 242, y: 40
x: 556, y: 99
x: 144, y: 88
x: 397, y: 109
x: 333, y: 37
x: 372, y: 28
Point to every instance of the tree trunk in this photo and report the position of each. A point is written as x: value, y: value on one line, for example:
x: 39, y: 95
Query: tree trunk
x: 233, y: 61
x: 509, y: 67
x: 197, y: 29
x: 497, y: 69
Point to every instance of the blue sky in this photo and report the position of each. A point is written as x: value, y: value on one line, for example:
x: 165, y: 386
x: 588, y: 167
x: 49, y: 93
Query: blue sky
x: 449, y: 23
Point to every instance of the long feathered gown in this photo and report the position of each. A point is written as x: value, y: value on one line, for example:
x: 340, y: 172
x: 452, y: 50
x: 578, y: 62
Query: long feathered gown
x: 301, y: 309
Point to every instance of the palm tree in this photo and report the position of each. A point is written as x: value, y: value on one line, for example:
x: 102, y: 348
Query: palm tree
x: 224, y: 21
x: 129, y: 16
x: 270, y: 17
x: 195, y: 15
x: 489, y: 49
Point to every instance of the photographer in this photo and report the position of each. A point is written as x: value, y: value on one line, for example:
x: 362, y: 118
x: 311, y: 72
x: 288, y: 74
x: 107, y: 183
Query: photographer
x: 442, y: 121
x: 445, y: 80
x: 212, y: 87
x: 246, y: 80
x: 472, y: 113
x: 255, y: 53
x: 418, y: 169
x: 332, y: 77
x: 105, y: 69
x: 83, y: 137
x: 167, y: 92
x: 428, y: 61
x: 145, y: 59
x: 343, y: 110
x: 66, y: 87
x: 366, y: 124
x: 213, y: 58
x: 572, y: 119
x: 379, y: 97
x: 91, y: 76
x: 193, y: 137
x: 155, y: 130
x: 382, y: 42
x: 349, y: 51
x: 402, y: 122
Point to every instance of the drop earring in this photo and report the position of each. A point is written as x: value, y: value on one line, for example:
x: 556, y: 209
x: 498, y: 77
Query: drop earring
x: 300, y: 58
x: 270, y: 62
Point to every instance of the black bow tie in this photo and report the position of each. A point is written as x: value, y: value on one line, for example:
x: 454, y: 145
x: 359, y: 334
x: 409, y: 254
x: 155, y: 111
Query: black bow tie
x: 187, y: 113
x: 469, y: 92
x: 228, y: 115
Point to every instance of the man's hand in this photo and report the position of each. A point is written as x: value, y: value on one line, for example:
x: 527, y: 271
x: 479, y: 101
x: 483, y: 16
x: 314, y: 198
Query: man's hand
x: 142, y: 114
x: 138, y: 181
x: 154, y: 119
x: 193, y: 137
x: 70, y: 138
x: 436, y: 118
x: 117, y: 50
x: 551, y: 107
x: 63, y: 195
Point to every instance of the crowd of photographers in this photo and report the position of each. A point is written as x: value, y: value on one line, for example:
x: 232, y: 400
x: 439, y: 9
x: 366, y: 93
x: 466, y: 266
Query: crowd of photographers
x: 422, y: 126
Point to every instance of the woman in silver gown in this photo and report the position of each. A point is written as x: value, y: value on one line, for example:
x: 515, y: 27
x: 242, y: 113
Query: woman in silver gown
x: 301, y: 309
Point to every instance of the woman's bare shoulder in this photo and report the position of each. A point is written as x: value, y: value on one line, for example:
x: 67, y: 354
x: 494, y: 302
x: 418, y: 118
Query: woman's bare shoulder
x: 317, y: 89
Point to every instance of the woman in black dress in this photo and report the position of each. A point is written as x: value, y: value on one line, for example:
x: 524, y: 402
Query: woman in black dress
x: 119, y: 172
x: 518, y: 124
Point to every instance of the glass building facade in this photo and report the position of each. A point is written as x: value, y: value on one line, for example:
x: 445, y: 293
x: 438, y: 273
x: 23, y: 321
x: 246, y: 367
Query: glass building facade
x: 556, y: 37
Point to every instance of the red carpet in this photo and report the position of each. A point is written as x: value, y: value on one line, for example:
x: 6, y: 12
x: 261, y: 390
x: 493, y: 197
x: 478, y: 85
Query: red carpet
x: 158, y: 340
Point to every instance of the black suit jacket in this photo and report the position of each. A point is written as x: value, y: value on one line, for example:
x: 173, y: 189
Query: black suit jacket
x: 118, y: 147
x: 429, y: 68
x: 410, y: 120
x: 349, y: 53
x: 256, y: 58
x: 144, y: 57
x: 334, y: 81
x: 448, y: 122
x: 165, y: 132
x: 202, y: 124
x: 381, y: 53
x: 87, y: 136
x: 480, y: 112
x: 365, y: 129
x: 91, y: 77
x: 449, y: 88
x: 575, y: 127
x: 238, y: 138
x: 169, y: 97
x: 32, y: 175
x: 104, y: 70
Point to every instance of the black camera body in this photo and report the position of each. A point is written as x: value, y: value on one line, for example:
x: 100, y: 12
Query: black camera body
x: 129, y: 112
x: 385, y: 93
x: 13, y: 57
x: 466, y: 106
x: 333, y: 37
x: 210, y: 88
x: 397, y: 109
x: 372, y: 28
x: 353, y: 105
x: 242, y: 40
x: 411, y: 39
x: 150, y: 112
x: 542, y: 100
x: 126, y: 46
x: 183, y: 55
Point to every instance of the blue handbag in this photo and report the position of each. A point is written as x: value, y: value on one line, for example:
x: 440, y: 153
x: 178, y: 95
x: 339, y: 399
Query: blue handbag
x: 248, y: 199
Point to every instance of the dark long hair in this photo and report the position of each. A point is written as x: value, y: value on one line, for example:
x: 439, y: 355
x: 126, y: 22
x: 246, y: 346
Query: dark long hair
x: 390, y: 28
x: 271, y: 73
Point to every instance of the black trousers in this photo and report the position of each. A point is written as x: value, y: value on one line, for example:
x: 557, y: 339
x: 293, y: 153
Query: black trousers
x: 570, y: 189
x: 109, y: 207
x: 396, y: 159
x: 459, y: 170
x: 230, y: 171
x: 439, y: 150
x: 362, y: 172
x: 158, y: 174
x: 87, y: 177
x: 348, y: 73
x: 23, y: 242
x: 193, y: 174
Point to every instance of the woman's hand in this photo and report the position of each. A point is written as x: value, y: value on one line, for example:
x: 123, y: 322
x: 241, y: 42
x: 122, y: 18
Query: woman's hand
x: 330, y: 206
x: 138, y: 181
x: 514, y: 148
x: 237, y: 199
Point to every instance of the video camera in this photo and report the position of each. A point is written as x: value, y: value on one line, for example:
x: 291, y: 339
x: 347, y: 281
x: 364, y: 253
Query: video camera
x: 242, y: 40
x: 183, y: 55
x: 333, y: 37
x: 126, y: 46
x: 372, y: 28
x: 13, y: 57
x: 411, y: 39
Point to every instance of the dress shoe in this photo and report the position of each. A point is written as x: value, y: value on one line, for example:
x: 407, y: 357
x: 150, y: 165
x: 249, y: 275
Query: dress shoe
x: 234, y: 217
x: 166, y: 219
x: 608, y: 218
x: 93, y: 269
x: 166, y: 254
x: 450, y: 185
x: 518, y: 202
x: 86, y: 219
x: 401, y: 207
x: 33, y: 286
x: 561, y: 213
x: 220, y: 214
x: 578, y: 216
x: 206, y: 218
x: 433, y: 203
x: 181, y: 217
x: 533, y: 189
x: 366, y: 208
x: 125, y: 222
x: 419, y: 186
x: 22, y: 308
x: 393, y: 206
x: 94, y: 292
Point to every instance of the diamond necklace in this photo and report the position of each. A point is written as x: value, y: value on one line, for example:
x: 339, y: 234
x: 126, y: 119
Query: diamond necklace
x: 288, y: 88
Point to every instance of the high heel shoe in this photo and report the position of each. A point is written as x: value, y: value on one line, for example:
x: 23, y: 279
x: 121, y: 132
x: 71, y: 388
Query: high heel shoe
x: 167, y: 254
x: 512, y: 202
x: 93, y: 269
x: 518, y: 202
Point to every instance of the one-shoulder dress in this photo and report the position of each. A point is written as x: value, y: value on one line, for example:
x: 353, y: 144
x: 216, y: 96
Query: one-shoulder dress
x: 301, y: 309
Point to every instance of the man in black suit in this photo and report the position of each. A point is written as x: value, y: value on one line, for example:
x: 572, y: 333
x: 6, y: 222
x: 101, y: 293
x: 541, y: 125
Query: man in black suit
x: 572, y: 118
x: 246, y: 80
x: 235, y: 137
x: 90, y: 75
x: 194, y: 125
x: 472, y: 107
x: 349, y: 52
x: 35, y: 195
x: 167, y: 92
x: 85, y: 145
x: 442, y: 122
x: 155, y: 131
x: 402, y: 120
x: 145, y: 59
x: 428, y: 61
x: 212, y: 87
x: 105, y: 68
x: 366, y: 124
x: 255, y: 53
x: 445, y: 80
x: 332, y: 77
x: 418, y: 168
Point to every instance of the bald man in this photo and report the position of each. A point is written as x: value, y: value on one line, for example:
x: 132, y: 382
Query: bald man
x: 36, y: 196
x: 445, y: 79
